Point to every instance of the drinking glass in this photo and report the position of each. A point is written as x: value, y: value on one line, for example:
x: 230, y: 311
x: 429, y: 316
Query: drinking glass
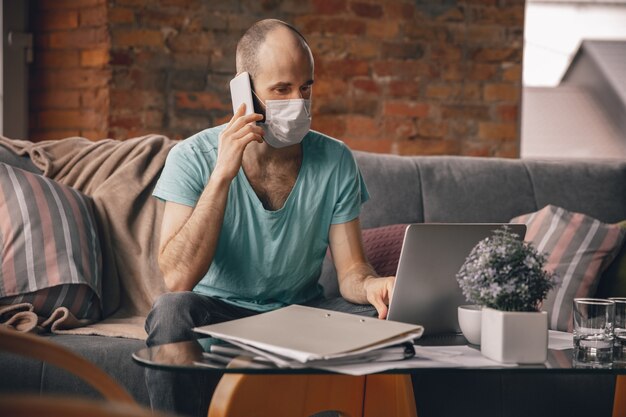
x: 619, y: 327
x: 593, y: 330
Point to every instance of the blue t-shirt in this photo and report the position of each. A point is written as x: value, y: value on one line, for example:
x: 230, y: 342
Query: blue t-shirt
x: 268, y: 259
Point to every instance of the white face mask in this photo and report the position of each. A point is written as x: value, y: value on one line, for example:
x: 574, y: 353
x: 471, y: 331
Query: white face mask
x: 286, y: 121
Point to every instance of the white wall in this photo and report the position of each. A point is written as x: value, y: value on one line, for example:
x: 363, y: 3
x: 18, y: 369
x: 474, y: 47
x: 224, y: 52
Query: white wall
x: 553, y: 32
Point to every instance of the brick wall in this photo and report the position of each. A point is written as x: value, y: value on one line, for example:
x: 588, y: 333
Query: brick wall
x: 70, y: 76
x: 407, y: 77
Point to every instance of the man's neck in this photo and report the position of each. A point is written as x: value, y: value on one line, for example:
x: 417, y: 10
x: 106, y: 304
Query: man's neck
x: 263, y: 152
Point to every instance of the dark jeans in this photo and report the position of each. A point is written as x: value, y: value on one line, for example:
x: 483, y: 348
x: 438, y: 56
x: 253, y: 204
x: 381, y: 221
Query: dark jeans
x: 171, y: 319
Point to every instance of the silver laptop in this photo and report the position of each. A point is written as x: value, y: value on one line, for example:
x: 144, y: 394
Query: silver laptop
x: 426, y: 290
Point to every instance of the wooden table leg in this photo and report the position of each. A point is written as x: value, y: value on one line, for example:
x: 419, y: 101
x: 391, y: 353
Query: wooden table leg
x: 619, y: 401
x: 240, y: 395
x: 389, y: 396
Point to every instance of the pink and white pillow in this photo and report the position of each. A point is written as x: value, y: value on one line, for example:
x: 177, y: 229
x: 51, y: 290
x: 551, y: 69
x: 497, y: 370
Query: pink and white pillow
x: 579, y: 248
x: 49, y: 249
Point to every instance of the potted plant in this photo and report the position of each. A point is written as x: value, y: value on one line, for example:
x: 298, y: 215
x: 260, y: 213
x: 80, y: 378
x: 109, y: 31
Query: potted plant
x: 506, y: 276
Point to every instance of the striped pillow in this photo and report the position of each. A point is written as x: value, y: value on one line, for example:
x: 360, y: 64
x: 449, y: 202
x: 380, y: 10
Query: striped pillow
x: 49, y: 249
x: 579, y: 248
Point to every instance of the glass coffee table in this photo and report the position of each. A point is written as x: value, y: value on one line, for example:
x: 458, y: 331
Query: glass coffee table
x: 247, y: 388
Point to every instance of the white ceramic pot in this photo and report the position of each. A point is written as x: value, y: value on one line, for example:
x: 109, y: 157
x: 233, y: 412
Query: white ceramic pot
x: 469, y: 321
x: 514, y: 336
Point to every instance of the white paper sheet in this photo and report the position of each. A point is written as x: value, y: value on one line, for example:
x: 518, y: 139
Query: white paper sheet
x: 425, y: 357
x: 560, y: 340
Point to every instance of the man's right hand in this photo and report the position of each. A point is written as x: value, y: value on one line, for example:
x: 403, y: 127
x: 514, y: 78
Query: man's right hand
x: 240, y: 132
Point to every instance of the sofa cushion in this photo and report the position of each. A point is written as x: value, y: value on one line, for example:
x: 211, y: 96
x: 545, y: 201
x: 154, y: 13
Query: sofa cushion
x: 613, y: 280
x: 382, y: 246
x: 578, y: 248
x: 49, y: 248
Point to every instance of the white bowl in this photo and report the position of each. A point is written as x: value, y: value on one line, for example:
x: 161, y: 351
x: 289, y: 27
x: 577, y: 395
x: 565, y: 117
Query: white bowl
x: 469, y: 322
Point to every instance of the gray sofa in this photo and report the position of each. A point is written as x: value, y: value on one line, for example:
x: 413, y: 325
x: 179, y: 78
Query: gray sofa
x: 408, y: 190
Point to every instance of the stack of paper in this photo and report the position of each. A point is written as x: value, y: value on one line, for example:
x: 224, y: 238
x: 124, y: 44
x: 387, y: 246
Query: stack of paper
x: 299, y: 336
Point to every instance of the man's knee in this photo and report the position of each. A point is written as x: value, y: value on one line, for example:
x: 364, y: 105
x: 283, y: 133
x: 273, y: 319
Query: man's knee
x: 172, y: 317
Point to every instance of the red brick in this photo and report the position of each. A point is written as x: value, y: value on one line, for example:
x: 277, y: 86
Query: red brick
x: 327, y: 25
x: 56, y: 99
x: 497, y: 131
x: 200, y: 100
x: 399, y: 10
x: 507, y: 150
x: 482, y: 72
x: 330, y: 7
x: 330, y: 87
x: 366, y: 85
x: 95, y: 98
x: 404, y: 69
x: 512, y: 72
x: 38, y: 135
x: 402, y: 50
x: 443, y: 91
x: 399, y: 127
x: 465, y: 111
x: 408, y: 89
x: 159, y: 18
x: 428, y: 147
x: 497, y: 55
x: 506, y: 16
x: 63, y: 19
x: 405, y: 108
x: 137, y: 100
x: 501, y: 92
x: 121, y: 57
x: 64, y: 119
x: 152, y: 118
x: 366, y: 9
x: 93, y: 134
x: 508, y: 112
x: 95, y: 16
x: 94, y: 58
x: 121, y: 15
x: 383, y: 28
x: 199, y: 42
x: 454, y: 14
x: 79, y: 38
x: 137, y: 37
x: 331, y: 125
x: 453, y: 71
x: 445, y: 52
x: 431, y: 129
x: 362, y: 127
x: 484, y: 34
x: 74, y: 78
x: 361, y: 48
x: 380, y: 145
x: 346, y: 67
x: 472, y: 91
x: 68, y: 4
x: 128, y: 121
x: 429, y: 32
x: 57, y: 59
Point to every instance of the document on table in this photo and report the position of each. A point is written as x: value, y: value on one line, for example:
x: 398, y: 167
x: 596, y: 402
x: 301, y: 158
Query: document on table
x: 560, y: 340
x: 296, y: 335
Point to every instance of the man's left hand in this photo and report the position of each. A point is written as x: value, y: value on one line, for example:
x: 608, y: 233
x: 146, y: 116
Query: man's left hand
x: 379, y: 291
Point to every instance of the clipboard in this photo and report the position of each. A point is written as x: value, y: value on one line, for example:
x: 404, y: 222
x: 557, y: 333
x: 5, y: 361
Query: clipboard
x: 304, y: 334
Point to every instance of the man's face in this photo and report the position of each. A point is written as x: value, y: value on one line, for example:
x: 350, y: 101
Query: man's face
x: 285, y: 68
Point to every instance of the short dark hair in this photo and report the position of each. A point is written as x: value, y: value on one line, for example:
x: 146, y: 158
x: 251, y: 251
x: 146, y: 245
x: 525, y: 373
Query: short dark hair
x: 247, y: 57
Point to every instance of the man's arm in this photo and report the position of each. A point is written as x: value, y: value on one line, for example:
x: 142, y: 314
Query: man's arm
x: 358, y: 282
x: 189, y: 235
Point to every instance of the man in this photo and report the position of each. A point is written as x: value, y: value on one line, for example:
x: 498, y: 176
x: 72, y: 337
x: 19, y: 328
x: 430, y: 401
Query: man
x: 250, y: 207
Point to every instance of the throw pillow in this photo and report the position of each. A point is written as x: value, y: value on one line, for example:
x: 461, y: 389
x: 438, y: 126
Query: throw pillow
x: 578, y: 248
x: 613, y: 281
x: 49, y: 249
x: 382, y: 247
